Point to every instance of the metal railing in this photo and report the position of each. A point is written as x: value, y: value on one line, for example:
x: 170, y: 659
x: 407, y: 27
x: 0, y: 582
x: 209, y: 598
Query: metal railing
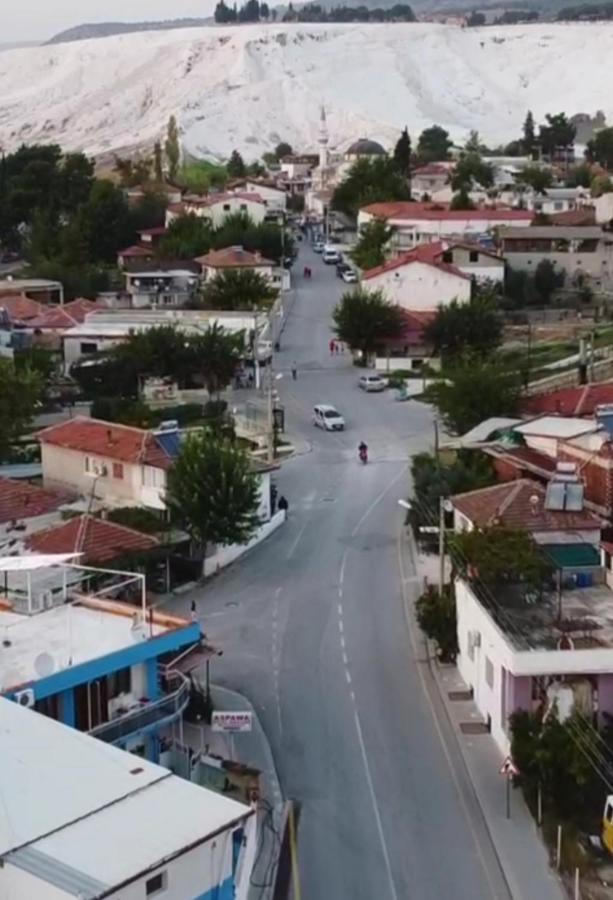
x: 168, y: 707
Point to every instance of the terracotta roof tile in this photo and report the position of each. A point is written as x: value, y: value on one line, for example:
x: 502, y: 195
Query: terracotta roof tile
x: 137, y: 252
x: 99, y: 540
x: 573, y: 401
x: 583, y: 215
x: 21, y: 500
x: 428, y: 254
x: 66, y: 316
x: 407, y: 209
x: 232, y: 257
x: 511, y: 504
x: 21, y: 308
x: 107, y: 440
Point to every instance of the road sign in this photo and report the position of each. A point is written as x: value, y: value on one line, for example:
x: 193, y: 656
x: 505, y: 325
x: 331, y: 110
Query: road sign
x: 232, y: 721
x: 508, y: 767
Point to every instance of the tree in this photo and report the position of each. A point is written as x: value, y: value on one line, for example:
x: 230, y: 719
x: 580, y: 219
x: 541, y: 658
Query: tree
x: 20, y: 391
x: 76, y: 181
x: 558, y: 132
x: 187, y: 237
x: 498, y: 555
x: 148, y: 212
x: 369, y: 180
x: 471, y: 170
x: 461, y: 200
x: 172, y: 148
x: 529, y: 137
x: 472, y: 390
x: 579, y: 176
x: 402, y: 153
x: 600, y: 185
x: 101, y: 226
x: 474, y: 145
x: 433, y: 144
x: 236, y: 166
x: 213, y: 492
x: 374, y: 237
x: 158, y: 165
x: 283, y: 149
x: 224, y: 14
x: 475, y: 19
x: 537, y: 178
x: 547, y: 280
x: 600, y: 148
x: 436, y: 614
x: 256, y: 169
x: 219, y: 353
x: 459, y: 327
x: 234, y: 289
x: 364, y: 319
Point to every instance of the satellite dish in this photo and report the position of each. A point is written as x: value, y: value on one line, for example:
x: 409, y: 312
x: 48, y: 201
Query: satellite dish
x: 44, y: 665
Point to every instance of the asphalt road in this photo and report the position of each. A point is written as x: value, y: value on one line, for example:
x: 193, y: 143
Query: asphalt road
x: 315, y: 633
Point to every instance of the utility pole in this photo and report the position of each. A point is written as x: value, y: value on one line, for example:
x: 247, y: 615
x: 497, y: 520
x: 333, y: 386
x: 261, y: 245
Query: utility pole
x: 270, y: 456
x: 582, y: 362
x: 441, y: 545
x: 591, y: 370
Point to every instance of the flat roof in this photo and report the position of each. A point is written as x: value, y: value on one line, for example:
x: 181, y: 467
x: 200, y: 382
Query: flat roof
x: 70, y: 634
x: 557, y: 426
x: 29, y: 284
x: 82, y: 814
x: 562, y: 232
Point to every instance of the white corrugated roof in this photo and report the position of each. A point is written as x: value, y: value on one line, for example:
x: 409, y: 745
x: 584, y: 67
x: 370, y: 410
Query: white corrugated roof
x: 557, y: 426
x: 91, y: 812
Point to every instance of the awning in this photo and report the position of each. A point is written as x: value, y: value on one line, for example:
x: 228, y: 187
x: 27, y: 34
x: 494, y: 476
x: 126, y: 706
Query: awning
x: 193, y: 657
x: 572, y: 556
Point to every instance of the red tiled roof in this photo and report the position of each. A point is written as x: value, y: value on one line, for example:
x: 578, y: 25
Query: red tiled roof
x: 61, y: 317
x: 573, y: 401
x: 21, y: 308
x: 136, y: 251
x: 108, y: 440
x: 21, y: 500
x: 583, y: 215
x: 214, y: 199
x: 232, y: 257
x: 154, y: 232
x: 434, y: 168
x: 415, y: 322
x: 407, y: 209
x: 427, y: 254
x: 100, y: 541
x: 510, y: 504
x: 526, y: 456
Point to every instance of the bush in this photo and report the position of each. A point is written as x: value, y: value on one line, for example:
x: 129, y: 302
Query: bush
x: 436, y: 615
x: 137, y: 518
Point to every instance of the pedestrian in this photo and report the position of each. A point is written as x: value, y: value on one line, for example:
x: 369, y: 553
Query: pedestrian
x: 283, y: 504
x: 193, y: 610
x: 337, y: 347
x: 332, y: 345
x: 294, y: 371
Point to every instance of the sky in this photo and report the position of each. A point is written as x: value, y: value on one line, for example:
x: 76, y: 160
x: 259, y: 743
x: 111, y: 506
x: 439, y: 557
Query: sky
x: 39, y: 20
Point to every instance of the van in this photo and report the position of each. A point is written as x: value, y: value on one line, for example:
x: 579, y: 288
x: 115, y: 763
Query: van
x: 326, y: 417
x: 331, y: 256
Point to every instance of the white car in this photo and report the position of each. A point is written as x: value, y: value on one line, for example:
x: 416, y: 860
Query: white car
x: 372, y: 383
x: 331, y: 257
x: 318, y: 246
x: 349, y: 276
x: 326, y: 417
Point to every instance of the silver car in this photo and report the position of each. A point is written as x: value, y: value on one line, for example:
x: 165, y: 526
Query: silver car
x: 372, y: 383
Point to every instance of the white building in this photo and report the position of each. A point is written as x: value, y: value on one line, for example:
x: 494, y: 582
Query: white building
x: 155, y: 288
x: 556, y: 200
x: 418, y: 223
x: 216, y: 261
x: 274, y: 197
x: 83, y: 819
x: 430, y: 179
x: 217, y: 207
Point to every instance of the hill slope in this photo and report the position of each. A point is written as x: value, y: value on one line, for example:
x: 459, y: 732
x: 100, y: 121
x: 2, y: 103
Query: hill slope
x: 108, y: 29
x: 251, y: 86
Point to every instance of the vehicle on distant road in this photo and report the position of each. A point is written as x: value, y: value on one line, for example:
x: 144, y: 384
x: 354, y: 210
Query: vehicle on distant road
x: 341, y: 267
x: 372, y: 383
x: 349, y: 276
x: 326, y: 417
x: 318, y: 246
x: 330, y: 256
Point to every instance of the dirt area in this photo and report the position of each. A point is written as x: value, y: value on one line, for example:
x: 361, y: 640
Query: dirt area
x: 567, y: 330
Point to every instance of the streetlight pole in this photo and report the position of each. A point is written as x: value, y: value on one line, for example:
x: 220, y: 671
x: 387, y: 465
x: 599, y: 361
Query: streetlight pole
x: 271, y: 419
x: 441, y: 545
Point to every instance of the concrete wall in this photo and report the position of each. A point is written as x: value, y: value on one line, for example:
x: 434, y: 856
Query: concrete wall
x: 72, y: 347
x: 223, y: 556
x: 420, y: 286
x: 598, y: 265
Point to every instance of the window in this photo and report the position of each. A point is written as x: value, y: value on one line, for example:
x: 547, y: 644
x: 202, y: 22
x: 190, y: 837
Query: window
x: 558, y: 205
x: 88, y: 347
x: 226, y: 207
x: 117, y: 470
x: 119, y: 682
x: 489, y: 672
x: 473, y: 256
x: 447, y: 256
x: 156, y: 884
x: 87, y: 464
x: 243, y: 207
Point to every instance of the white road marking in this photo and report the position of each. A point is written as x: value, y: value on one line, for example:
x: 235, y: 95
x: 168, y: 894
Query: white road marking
x: 341, y: 626
x: 348, y: 676
x: 340, y: 610
x: 342, y: 571
x: 345, y: 660
x: 375, y: 503
x: 297, y: 541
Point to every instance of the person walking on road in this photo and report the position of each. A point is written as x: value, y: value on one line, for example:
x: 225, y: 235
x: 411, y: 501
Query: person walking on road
x: 332, y: 345
x: 283, y: 505
x: 294, y: 372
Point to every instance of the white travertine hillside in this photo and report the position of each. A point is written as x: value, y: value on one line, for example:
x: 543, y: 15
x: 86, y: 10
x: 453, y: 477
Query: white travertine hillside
x: 250, y: 86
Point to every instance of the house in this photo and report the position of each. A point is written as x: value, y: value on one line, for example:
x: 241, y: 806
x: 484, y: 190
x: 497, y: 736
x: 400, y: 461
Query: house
x: 420, y: 279
x: 274, y: 196
x: 99, y: 541
x: 546, y: 433
x: 299, y: 167
x: 364, y: 148
x: 555, y: 199
x: 161, y: 284
x: 418, y: 223
x: 118, y: 464
x: 47, y: 327
x: 577, y: 251
x: 411, y: 349
x: 151, y: 237
x: 229, y: 258
x: 427, y: 180
x: 217, y: 207
x: 172, y: 192
x: 579, y: 217
x: 78, y: 821
x: 135, y: 255
x: 26, y: 508
x: 18, y: 309
x: 41, y: 289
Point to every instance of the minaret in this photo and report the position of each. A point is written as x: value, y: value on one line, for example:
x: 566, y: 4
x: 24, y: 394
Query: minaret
x: 323, y: 144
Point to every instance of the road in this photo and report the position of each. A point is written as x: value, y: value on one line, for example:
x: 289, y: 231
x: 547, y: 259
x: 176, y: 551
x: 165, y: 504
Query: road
x: 315, y: 633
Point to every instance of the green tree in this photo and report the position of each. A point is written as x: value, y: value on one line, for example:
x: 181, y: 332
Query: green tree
x: 219, y: 353
x: 475, y: 20
x: 537, y: 178
x: 529, y: 136
x: 186, y: 237
x: 498, y: 555
x: 213, y: 492
x: 433, y: 145
x: 172, y: 148
x: 373, y: 239
x: 369, y: 180
x: 234, y: 289
x: 472, y: 170
x: 236, y: 166
x: 600, y: 148
x: 474, y: 145
x: 148, y: 212
x: 460, y: 327
x: 600, y: 185
x: 579, y: 176
x: 283, y: 149
x: 436, y: 614
x: 256, y: 169
x: 364, y: 319
x: 158, y: 165
x: 76, y: 181
x: 102, y: 224
x: 20, y: 391
x: 474, y: 389
x: 461, y: 200
x: 402, y: 153
x: 547, y: 280
x: 558, y: 132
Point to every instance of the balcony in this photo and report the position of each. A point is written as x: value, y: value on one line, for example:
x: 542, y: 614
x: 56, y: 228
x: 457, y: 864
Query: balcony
x: 149, y: 715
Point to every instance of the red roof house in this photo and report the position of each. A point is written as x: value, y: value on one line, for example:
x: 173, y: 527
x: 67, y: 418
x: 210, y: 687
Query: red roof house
x: 99, y: 540
x: 572, y: 401
x: 21, y: 309
x: 21, y: 500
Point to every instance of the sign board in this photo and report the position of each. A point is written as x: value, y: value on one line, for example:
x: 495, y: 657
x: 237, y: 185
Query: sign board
x: 508, y: 767
x: 232, y: 721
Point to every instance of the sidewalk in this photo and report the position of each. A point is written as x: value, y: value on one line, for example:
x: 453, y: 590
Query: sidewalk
x: 521, y: 852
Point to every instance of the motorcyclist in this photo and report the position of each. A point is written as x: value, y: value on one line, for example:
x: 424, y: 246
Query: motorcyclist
x: 363, y: 451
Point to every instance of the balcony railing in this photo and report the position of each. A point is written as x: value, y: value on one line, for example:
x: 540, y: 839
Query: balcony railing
x: 170, y: 706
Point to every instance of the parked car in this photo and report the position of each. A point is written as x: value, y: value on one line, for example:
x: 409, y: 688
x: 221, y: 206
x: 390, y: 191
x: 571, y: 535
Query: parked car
x: 331, y: 256
x: 372, y: 383
x: 341, y: 267
x: 349, y: 276
x: 326, y: 417
x: 318, y: 246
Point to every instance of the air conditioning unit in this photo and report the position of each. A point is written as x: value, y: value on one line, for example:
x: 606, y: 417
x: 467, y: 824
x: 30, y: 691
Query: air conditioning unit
x: 25, y: 698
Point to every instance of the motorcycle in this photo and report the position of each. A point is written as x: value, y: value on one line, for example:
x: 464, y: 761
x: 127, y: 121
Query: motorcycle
x: 363, y: 453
